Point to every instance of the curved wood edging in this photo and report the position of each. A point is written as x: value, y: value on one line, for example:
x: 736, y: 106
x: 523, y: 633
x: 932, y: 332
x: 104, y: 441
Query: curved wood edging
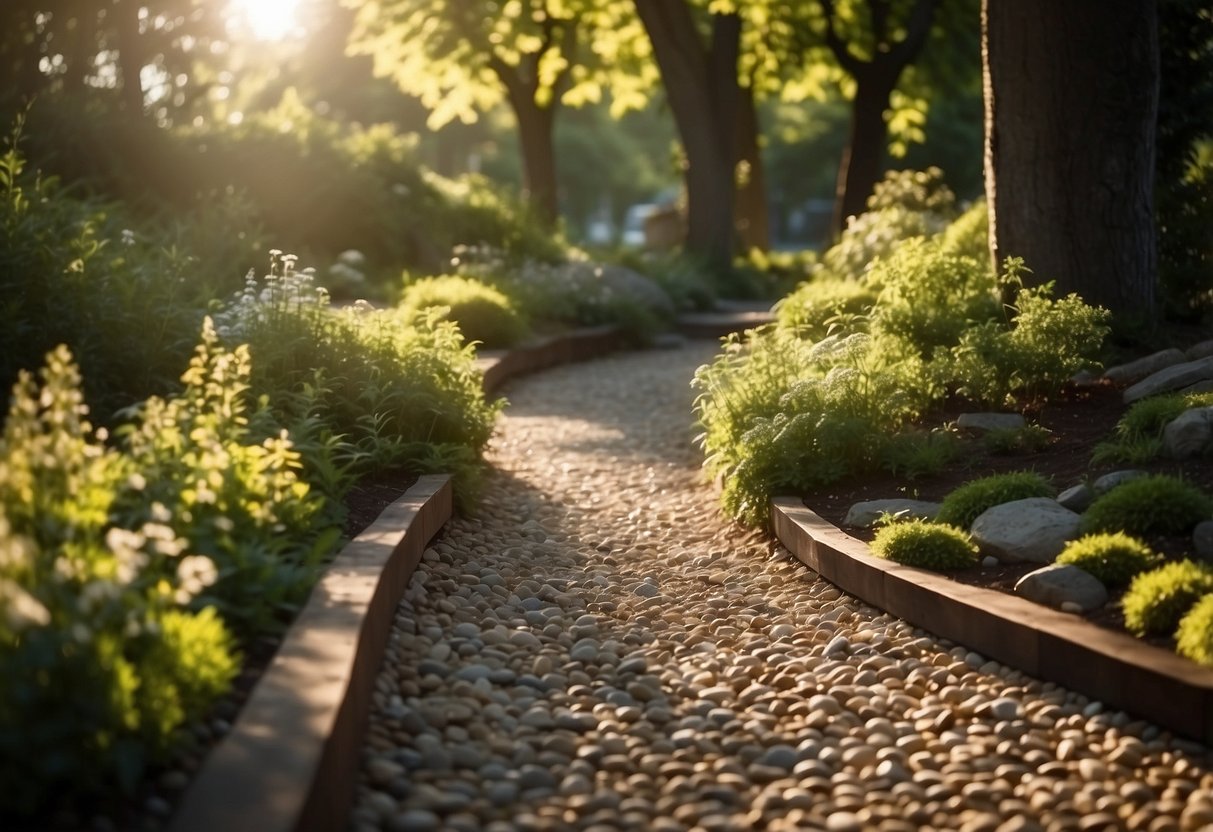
x: 1113, y: 668
x: 499, y: 366
x: 290, y: 760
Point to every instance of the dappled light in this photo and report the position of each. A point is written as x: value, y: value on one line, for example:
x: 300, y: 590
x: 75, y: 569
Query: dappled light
x: 264, y: 19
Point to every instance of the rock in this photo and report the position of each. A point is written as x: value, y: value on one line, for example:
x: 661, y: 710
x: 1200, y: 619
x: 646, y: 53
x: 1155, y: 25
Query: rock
x: 1175, y: 377
x: 1062, y: 583
x: 1033, y: 530
x: 1107, y: 482
x: 1197, y: 351
x: 989, y: 562
x: 1189, y: 434
x: 866, y: 514
x: 1202, y: 540
x: 780, y: 756
x: 414, y: 820
x: 1077, y: 498
x: 1143, y: 367
x: 984, y: 422
x: 647, y: 590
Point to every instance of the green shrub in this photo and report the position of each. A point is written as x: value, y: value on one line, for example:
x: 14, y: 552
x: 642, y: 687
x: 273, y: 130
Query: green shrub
x: 969, y: 234
x: 1156, y: 504
x: 1194, y: 635
x: 915, y: 454
x: 1156, y: 601
x: 1115, y: 559
x: 483, y: 313
x: 102, y: 659
x: 1029, y: 439
x: 966, y: 503
x: 1138, y: 436
x: 925, y: 545
x: 1047, y: 343
x: 817, y: 307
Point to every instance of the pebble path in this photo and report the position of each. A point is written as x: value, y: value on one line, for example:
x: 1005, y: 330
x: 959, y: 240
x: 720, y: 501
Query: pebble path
x: 597, y: 649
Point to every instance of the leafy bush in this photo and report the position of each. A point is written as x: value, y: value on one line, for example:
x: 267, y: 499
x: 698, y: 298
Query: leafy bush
x: 1194, y: 635
x: 400, y: 394
x: 1138, y: 435
x: 1047, y: 343
x: 483, y: 313
x: 926, y: 545
x: 1029, y: 439
x: 1115, y: 559
x: 1156, y: 601
x: 914, y: 454
x: 969, y: 234
x: 966, y: 503
x: 1156, y: 504
x: 100, y: 658
x: 816, y: 307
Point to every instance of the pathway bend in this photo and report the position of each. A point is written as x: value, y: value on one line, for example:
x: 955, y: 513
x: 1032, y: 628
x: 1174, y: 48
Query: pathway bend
x: 597, y: 649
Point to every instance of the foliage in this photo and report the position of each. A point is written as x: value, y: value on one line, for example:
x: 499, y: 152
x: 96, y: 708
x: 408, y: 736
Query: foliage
x: 102, y: 654
x: 399, y: 394
x: 73, y: 272
x: 925, y: 545
x: 965, y: 504
x: 1156, y: 601
x: 1138, y: 435
x: 1194, y: 635
x: 820, y: 305
x: 1115, y: 559
x: 969, y: 234
x: 236, y: 498
x: 913, y: 454
x: 483, y: 313
x: 781, y: 413
x: 1048, y: 341
x: 1156, y: 504
x: 1029, y: 439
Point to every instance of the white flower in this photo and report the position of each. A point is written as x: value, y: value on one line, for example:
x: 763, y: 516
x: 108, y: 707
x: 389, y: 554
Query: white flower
x: 20, y: 609
x: 195, y: 573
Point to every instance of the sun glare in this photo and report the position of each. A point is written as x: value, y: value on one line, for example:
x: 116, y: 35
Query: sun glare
x: 266, y: 19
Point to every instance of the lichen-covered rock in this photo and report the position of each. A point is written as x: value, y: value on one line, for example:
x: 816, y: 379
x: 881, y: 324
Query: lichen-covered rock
x: 1033, y: 530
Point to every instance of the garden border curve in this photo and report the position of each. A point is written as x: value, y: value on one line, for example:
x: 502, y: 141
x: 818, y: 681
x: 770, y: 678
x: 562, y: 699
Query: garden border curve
x: 1113, y: 668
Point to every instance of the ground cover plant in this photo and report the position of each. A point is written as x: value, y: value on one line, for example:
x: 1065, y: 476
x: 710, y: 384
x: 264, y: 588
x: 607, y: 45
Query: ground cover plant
x: 1158, y: 504
x: 835, y: 387
x: 964, y: 505
x: 925, y: 544
x: 483, y: 313
x: 1114, y: 558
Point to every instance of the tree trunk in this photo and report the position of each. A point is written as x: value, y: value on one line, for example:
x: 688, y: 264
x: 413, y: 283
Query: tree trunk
x: 1071, y: 92
x: 863, y: 158
x: 753, y: 217
x: 130, y: 55
x: 703, y: 91
x: 535, y: 127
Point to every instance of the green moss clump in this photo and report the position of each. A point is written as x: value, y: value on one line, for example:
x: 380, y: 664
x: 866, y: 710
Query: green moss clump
x: 1157, y: 600
x: 1157, y: 504
x: 1194, y: 636
x: 925, y: 545
x: 965, y: 504
x: 1115, y: 559
x: 484, y: 314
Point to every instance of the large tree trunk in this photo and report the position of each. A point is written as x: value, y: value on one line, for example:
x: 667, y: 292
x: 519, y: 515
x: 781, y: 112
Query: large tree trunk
x: 1071, y: 93
x: 131, y: 58
x: 703, y: 91
x: 535, y: 128
x: 752, y: 214
x: 863, y: 158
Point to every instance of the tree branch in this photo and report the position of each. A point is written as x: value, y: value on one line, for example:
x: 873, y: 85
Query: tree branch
x: 845, y: 59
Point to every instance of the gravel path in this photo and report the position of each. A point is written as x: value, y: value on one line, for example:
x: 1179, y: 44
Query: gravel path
x: 598, y: 650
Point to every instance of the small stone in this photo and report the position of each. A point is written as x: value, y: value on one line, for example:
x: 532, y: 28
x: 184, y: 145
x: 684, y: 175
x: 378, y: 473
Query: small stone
x: 1189, y: 434
x: 1077, y: 498
x: 985, y: 422
x: 989, y: 562
x: 382, y: 771
x: 780, y: 756
x: 867, y: 514
x: 1107, y: 482
x: 647, y: 590
x: 1059, y: 584
x: 414, y: 820
x: 1135, y: 371
x: 1033, y: 530
x: 1004, y: 709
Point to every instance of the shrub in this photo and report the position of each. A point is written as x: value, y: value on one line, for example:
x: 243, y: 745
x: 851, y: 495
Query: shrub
x: 817, y: 307
x: 1029, y: 439
x: 1138, y: 435
x: 483, y: 313
x: 965, y: 504
x: 969, y: 234
x: 1115, y: 559
x: 925, y: 545
x: 915, y: 454
x: 102, y: 659
x: 1048, y: 341
x: 1156, y: 504
x: 1194, y: 635
x: 1156, y: 601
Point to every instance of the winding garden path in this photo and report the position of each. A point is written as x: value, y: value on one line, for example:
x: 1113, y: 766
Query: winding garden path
x: 597, y: 649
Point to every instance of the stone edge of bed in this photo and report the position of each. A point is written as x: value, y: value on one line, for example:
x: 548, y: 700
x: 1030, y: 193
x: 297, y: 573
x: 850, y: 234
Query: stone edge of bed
x: 1113, y: 668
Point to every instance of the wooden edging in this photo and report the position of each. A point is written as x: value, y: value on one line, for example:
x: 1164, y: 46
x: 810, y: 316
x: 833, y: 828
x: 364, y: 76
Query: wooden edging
x: 1113, y: 668
x: 499, y: 366
x: 291, y: 759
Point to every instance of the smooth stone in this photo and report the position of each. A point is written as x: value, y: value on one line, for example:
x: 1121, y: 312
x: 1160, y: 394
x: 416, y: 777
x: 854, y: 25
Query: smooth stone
x: 1004, y: 709
x: 780, y: 756
x: 647, y: 590
x: 1077, y: 498
x: 1204, y: 349
x: 986, y: 422
x: 466, y: 630
x: 866, y: 514
x: 414, y: 820
x: 1175, y: 377
x: 1189, y: 434
x: 1107, y: 482
x: 1134, y: 371
x: 1033, y: 530
x: 1060, y: 583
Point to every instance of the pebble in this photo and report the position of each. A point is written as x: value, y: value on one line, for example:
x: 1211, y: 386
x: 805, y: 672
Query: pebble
x: 597, y: 649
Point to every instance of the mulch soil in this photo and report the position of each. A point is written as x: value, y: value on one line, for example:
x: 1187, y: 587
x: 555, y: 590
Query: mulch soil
x: 1078, y: 420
